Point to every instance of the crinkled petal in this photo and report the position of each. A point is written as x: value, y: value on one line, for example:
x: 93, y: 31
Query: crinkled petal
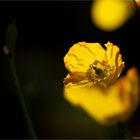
x: 114, y: 59
x: 81, y: 55
x: 113, y: 54
x: 75, y: 78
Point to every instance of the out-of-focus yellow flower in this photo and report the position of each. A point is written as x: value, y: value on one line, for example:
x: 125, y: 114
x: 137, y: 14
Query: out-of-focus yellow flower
x: 91, y: 84
x: 137, y: 2
x: 109, y: 15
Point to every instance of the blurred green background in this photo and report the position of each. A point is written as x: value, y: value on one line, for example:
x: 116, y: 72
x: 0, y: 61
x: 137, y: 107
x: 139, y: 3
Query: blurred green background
x: 46, y: 30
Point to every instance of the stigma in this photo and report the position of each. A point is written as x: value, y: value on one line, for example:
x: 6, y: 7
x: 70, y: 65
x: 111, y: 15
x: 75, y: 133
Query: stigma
x: 99, y: 71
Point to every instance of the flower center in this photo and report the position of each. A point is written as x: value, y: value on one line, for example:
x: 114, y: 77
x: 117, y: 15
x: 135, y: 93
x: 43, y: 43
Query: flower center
x: 98, y: 71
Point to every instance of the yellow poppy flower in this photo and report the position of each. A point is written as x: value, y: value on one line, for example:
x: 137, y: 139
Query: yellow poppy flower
x: 91, y: 84
x: 90, y: 64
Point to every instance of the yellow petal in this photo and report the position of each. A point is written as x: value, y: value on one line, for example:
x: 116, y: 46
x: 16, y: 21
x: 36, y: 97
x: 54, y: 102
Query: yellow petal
x: 75, y: 77
x: 81, y: 55
x: 133, y: 89
x: 110, y: 105
x: 113, y: 54
x: 114, y: 59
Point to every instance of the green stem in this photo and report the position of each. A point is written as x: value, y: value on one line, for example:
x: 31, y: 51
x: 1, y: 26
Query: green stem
x: 21, y: 98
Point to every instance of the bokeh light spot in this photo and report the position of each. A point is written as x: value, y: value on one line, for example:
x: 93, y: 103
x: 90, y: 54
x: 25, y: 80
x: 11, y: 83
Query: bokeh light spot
x: 109, y: 15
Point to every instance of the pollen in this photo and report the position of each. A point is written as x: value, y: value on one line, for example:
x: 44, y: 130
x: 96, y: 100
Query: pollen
x: 99, y: 71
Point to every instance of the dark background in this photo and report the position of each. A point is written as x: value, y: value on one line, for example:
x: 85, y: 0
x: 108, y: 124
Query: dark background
x: 46, y: 30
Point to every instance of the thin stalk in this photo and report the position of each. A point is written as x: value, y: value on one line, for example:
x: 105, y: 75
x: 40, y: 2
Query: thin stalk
x: 30, y: 128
